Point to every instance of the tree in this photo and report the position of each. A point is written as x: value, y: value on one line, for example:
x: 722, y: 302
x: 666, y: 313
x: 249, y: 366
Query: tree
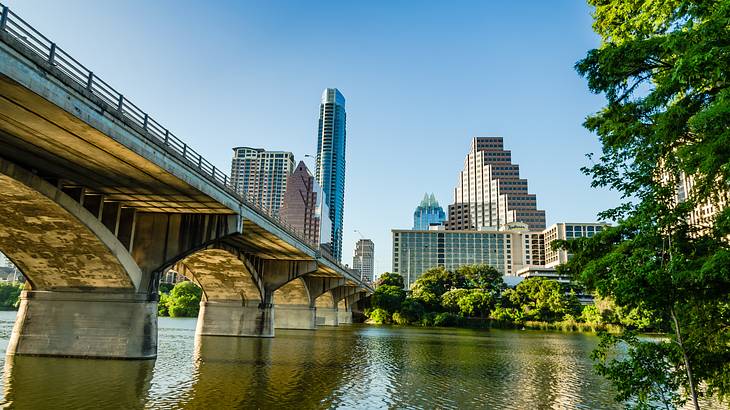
x: 184, y: 300
x: 542, y: 299
x: 663, y: 67
x: 388, y: 298
x: 10, y: 295
x: 481, y: 276
x: 392, y: 279
x: 432, y: 284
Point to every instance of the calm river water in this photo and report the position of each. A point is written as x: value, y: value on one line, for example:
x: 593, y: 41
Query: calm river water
x: 353, y: 366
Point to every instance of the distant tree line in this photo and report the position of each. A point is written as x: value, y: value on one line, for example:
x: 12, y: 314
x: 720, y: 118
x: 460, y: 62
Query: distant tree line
x: 476, y: 295
x: 10, y: 295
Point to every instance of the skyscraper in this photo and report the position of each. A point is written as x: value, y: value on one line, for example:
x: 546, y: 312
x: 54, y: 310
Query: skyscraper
x: 428, y: 213
x: 261, y: 175
x: 305, y: 207
x: 330, y: 171
x: 490, y: 192
x: 363, y: 260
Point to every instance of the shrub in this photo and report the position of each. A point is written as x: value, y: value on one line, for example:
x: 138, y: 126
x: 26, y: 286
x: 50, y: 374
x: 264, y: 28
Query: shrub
x: 446, y: 319
x: 379, y: 316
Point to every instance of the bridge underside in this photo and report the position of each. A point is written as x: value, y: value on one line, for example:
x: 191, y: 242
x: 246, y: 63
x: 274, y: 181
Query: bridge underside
x: 95, y: 209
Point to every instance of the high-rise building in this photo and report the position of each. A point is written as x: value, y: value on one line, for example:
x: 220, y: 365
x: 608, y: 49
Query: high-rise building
x: 261, y: 175
x: 513, y: 250
x: 305, y: 207
x: 490, y: 192
x: 363, y: 260
x: 330, y: 171
x: 428, y: 213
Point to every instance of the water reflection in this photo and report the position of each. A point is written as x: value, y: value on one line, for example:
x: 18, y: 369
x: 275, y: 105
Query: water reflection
x: 65, y: 383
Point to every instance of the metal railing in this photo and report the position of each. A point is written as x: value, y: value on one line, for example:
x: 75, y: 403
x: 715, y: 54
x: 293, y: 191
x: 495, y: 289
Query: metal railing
x: 116, y: 103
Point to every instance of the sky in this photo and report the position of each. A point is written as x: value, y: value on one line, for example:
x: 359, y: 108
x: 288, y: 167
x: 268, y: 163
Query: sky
x: 420, y: 78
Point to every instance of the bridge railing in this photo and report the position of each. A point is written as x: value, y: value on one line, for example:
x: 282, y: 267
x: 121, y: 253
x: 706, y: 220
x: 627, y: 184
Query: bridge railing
x: 40, y: 45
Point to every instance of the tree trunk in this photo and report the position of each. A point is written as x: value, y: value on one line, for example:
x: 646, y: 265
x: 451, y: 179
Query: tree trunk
x: 692, y: 391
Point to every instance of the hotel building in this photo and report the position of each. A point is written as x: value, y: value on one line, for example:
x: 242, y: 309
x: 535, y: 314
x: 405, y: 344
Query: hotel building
x: 261, y: 175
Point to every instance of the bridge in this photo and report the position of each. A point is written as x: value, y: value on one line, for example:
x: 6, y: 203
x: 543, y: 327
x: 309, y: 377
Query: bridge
x: 99, y: 199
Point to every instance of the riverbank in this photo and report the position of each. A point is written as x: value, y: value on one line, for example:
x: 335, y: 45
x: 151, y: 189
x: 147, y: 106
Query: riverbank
x: 475, y: 323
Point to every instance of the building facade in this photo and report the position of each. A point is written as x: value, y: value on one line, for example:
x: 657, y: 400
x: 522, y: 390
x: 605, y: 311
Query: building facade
x: 261, y: 175
x: 416, y: 251
x: 305, y: 207
x: 330, y: 172
x: 514, y: 250
x: 428, y: 213
x: 363, y: 260
x: 490, y: 193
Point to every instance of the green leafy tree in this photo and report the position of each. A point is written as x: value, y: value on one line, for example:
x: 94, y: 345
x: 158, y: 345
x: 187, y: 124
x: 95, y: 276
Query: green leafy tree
x: 663, y: 67
x: 379, y: 316
x: 411, y: 310
x: 542, y: 299
x: 10, y: 295
x: 184, y: 300
x: 481, y: 276
x: 432, y: 284
x: 450, y: 299
x: 391, y: 279
x: 388, y: 298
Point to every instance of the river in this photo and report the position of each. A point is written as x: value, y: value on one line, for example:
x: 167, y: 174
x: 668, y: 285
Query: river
x: 356, y: 366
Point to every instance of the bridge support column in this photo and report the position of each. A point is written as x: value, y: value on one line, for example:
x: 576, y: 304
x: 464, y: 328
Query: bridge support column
x: 294, y: 317
x: 344, y: 317
x: 326, y: 316
x: 85, y: 324
x: 224, y: 318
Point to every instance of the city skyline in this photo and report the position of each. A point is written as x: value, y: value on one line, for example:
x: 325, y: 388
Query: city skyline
x: 398, y: 122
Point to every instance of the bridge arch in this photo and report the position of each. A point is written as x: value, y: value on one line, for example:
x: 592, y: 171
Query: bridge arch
x: 292, y: 293
x: 325, y: 300
x: 56, y: 242
x: 222, y: 275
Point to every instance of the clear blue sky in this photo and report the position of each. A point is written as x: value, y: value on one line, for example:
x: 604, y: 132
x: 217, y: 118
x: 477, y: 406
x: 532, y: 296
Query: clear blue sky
x: 420, y: 78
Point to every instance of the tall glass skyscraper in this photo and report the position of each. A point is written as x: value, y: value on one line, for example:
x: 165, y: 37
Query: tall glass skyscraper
x: 428, y: 213
x: 330, y: 171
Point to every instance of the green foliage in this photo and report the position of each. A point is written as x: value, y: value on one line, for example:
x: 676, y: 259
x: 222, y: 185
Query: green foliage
x: 391, y: 279
x: 162, y: 305
x: 446, y: 319
x: 432, y: 284
x: 166, y: 287
x: 10, y: 295
x: 388, y: 298
x: 411, y: 311
x: 379, y: 316
x: 646, y: 375
x: 663, y: 67
x: 591, y: 314
x: 482, y: 277
x: 183, y: 301
x: 542, y: 299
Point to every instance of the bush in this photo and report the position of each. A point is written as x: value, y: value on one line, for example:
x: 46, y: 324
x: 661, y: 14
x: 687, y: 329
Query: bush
x: 446, y: 319
x: 379, y: 316
x: 183, y: 301
x: 10, y: 295
x: 399, y: 319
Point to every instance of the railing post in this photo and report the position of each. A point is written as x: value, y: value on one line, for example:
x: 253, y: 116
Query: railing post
x: 213, y: 172
x: 144, y: 125
x: 200, y: 161
x: 167, y: 137
x: 90, y: 81
x: 225, y: 180
x: 185, y: 150
x: 52, y: 53
x: 4, y: 18
x: 120, y: 106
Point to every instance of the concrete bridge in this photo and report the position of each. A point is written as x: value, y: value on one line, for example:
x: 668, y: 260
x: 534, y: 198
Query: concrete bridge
x: 99, y: 199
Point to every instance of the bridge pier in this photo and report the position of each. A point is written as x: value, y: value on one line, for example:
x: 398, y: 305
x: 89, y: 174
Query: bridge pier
x: 233, y: 318
x: 326, y: 316
x: 344, y: 317
x: 85, y: 324
x: 294, y: 317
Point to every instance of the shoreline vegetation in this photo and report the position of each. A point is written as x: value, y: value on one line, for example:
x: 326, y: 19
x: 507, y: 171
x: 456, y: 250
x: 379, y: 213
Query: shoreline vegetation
x: 475, y: 296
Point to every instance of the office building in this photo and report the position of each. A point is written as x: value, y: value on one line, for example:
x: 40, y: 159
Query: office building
x: 330, y: 172
x: 490, y: 193
x: 363, y: 260
x: 513, y: 250
x: 416, y: 251
x: 305, y: 207
x: 428, y: 213
x: 261, y: 175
